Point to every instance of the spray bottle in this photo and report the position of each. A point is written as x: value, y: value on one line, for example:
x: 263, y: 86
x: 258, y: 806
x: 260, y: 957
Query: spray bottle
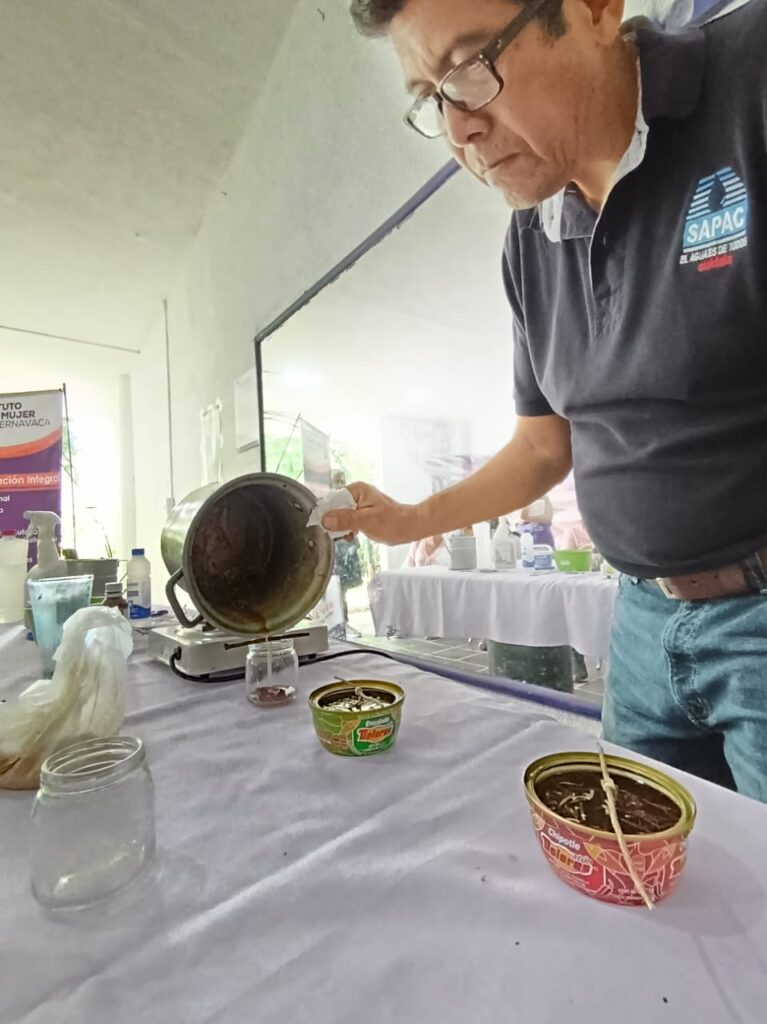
x: 50, y: 564
x: 506, y: 546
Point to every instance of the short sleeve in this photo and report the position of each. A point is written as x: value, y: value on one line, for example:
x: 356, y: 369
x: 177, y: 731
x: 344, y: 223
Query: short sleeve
x: 528, y: 398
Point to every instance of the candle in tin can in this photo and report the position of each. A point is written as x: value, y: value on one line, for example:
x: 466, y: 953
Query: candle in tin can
x: 357, y: 717
x: 570, y: 816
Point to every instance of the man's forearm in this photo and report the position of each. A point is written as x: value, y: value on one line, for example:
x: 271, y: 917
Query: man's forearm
x: 519, y: 474
x: 536, y: 458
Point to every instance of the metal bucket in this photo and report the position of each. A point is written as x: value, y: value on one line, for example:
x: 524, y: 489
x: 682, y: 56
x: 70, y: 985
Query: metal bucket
x: 244, y: 555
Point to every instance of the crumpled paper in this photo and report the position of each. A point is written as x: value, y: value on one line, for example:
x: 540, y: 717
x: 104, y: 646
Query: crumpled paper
x: 332, y: 502
x: 83, y: 700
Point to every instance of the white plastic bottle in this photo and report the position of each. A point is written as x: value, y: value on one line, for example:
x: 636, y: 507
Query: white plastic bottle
x: 484, y: 546
x: 139, y: 585
x: 528, y: 551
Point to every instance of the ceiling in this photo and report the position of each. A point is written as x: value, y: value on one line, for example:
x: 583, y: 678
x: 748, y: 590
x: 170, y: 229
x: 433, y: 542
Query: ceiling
x: 118, y: 118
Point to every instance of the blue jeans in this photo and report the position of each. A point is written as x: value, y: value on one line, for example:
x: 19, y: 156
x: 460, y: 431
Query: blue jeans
x: 688, y: 684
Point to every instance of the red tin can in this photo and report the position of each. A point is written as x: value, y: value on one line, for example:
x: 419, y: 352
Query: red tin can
x: 589, y: 859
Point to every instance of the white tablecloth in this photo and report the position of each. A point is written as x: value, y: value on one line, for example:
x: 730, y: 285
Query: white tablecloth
x: 539, y: 609
x: 295, y: 887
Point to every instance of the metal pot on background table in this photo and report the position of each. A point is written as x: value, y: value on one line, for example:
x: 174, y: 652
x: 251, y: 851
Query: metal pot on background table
x: 243, y: 553
x: 103, y: 571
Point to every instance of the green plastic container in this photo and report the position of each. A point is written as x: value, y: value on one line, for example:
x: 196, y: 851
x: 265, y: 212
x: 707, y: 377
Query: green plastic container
x: 573, y: 561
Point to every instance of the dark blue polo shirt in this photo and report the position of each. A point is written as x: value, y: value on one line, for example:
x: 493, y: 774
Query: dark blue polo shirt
x: 646, y: 326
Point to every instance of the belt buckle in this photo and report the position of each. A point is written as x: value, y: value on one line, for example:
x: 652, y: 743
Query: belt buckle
x: 665, y: 589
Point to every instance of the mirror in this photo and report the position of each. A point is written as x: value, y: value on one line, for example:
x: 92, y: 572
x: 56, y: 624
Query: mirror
x: 399, y: 373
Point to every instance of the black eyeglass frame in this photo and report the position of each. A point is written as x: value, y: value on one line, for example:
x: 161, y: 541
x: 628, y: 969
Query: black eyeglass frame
x: 487, y: 56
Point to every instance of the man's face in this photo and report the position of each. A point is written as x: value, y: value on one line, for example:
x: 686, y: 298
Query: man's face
x: 530, y: 141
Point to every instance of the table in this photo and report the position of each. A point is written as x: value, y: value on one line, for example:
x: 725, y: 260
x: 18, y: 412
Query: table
x: 295, y: 887
x: 520, y: 606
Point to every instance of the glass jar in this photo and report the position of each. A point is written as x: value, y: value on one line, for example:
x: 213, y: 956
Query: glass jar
x: 114, y: 598
x: 271, y: 672
x: 92, y: 821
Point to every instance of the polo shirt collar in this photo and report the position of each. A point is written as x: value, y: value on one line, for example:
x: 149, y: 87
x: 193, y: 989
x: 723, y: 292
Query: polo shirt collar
x: 671, y: 65
x: 670, y: 79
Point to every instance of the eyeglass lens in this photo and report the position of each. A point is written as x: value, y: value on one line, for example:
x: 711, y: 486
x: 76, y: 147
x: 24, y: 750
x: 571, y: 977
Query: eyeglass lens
x: 469, y: 87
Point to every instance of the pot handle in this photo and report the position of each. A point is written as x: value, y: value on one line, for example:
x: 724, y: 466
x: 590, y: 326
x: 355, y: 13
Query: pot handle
x: 173, y: 601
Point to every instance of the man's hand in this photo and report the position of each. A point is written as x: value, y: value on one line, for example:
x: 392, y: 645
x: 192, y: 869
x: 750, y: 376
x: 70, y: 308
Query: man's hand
x: 536, y: 458
x: 377, y: 516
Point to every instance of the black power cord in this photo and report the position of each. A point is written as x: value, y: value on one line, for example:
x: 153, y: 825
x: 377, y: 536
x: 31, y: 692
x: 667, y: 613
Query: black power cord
x: 230, y: 677
x: 208, y: 677
x: 345, y: 654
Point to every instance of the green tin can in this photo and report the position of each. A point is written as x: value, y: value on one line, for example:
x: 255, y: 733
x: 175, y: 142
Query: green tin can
x: 356, y: 717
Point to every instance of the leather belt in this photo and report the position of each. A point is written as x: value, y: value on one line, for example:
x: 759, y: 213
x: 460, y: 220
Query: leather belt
x: 746, y: 577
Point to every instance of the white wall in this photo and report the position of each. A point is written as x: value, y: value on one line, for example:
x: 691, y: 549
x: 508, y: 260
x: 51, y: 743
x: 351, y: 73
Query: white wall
x: 324, y: 160
x: 152, y: 455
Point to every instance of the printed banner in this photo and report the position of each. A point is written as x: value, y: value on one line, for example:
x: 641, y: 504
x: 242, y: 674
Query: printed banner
x: 316, y: 449
x: 30, y: 456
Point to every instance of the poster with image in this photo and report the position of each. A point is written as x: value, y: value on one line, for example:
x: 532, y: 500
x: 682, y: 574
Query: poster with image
x: 30, y: 456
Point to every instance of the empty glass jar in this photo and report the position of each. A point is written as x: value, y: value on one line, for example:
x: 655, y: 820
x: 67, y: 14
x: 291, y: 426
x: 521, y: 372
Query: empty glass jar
x: 92, y: 821
x: 271, y: 672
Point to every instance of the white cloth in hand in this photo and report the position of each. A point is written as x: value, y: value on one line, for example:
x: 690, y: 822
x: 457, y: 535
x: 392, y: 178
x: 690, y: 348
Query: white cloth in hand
x: 332, y: 501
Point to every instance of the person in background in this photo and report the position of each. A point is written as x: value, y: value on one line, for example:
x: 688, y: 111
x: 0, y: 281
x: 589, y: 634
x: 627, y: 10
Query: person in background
x: 348, y: 563
x: 429, y: 551
x: 570, y: 534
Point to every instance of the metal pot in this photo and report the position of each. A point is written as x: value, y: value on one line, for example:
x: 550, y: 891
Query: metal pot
x: 244, y: 555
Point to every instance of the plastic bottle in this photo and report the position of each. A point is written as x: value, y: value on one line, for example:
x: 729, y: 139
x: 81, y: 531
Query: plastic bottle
x: 139, y: 585
x: 13, y: 575
x: 484, y: 546
x: 544, y: 556
x: 528, y: 551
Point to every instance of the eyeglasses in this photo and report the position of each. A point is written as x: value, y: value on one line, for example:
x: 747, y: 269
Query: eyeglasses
x: 470, y: 85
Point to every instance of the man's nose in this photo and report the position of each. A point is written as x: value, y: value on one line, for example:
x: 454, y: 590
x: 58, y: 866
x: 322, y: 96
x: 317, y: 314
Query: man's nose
x: 464, y: 126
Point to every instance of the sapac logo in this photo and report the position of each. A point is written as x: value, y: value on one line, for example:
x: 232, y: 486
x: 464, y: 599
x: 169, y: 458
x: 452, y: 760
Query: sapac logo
x: 717, y: 221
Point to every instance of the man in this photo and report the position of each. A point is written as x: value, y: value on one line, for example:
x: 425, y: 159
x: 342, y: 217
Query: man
x: 635, y: 268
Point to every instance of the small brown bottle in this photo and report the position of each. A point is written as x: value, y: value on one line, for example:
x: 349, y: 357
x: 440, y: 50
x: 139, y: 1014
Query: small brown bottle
x: 114, y: 598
